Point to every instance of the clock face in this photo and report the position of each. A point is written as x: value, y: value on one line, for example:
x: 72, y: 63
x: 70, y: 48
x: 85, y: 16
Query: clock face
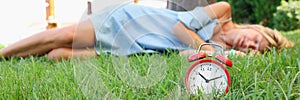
x: 209, y: 77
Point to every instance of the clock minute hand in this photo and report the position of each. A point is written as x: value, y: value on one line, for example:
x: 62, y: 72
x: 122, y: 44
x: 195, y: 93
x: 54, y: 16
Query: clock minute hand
x: 215, y: 78
x: 204, y: 78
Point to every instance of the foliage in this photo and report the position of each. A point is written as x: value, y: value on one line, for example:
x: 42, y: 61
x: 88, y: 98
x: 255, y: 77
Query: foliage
x: 254, y: 11
x: 1, y: 46
x: 287, y: 16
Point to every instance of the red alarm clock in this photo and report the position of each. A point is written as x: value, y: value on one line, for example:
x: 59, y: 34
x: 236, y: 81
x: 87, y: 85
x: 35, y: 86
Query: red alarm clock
x: 208, y: 75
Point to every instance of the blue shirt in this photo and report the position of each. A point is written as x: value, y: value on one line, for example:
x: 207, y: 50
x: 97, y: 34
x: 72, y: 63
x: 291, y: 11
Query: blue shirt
x: 131, y: 29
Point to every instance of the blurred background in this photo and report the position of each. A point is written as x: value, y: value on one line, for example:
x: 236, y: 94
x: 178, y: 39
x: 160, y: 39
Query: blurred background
x: 22, y: 18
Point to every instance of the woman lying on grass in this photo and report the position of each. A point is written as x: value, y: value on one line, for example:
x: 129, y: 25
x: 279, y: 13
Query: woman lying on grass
x: 132, y: 29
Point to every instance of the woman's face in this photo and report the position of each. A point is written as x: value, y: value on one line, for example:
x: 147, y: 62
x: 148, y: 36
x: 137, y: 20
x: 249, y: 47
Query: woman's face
x: 249, y: 39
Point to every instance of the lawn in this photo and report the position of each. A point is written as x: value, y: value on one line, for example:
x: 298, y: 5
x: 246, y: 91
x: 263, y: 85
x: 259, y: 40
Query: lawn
x: 270, y: 76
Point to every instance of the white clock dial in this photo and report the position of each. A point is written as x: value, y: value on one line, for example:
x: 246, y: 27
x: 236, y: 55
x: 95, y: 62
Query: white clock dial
x: 209, y: 78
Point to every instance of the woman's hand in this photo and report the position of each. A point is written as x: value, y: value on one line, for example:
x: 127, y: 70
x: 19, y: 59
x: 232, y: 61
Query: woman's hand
x: 234, y: 53
x: 227, y: 53
x: 191, y: 52
x: 240, y: 53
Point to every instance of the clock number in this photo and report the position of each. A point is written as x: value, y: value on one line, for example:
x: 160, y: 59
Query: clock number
x: 222, y: 83
x: 209, y: 68
x: 217, y: 69
x: 202, y: 68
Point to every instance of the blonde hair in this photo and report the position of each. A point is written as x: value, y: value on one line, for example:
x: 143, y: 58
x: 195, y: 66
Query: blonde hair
x: 275, y: 38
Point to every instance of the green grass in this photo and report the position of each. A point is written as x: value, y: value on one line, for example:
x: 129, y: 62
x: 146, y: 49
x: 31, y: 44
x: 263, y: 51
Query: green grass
x: 270, y: 76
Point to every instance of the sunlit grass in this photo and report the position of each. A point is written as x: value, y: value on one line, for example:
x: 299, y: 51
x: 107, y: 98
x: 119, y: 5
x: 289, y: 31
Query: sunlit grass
x: 274, y: 75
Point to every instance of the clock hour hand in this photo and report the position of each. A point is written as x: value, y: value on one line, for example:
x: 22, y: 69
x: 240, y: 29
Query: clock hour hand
x: 215, y: 78
x: 204, y: 78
